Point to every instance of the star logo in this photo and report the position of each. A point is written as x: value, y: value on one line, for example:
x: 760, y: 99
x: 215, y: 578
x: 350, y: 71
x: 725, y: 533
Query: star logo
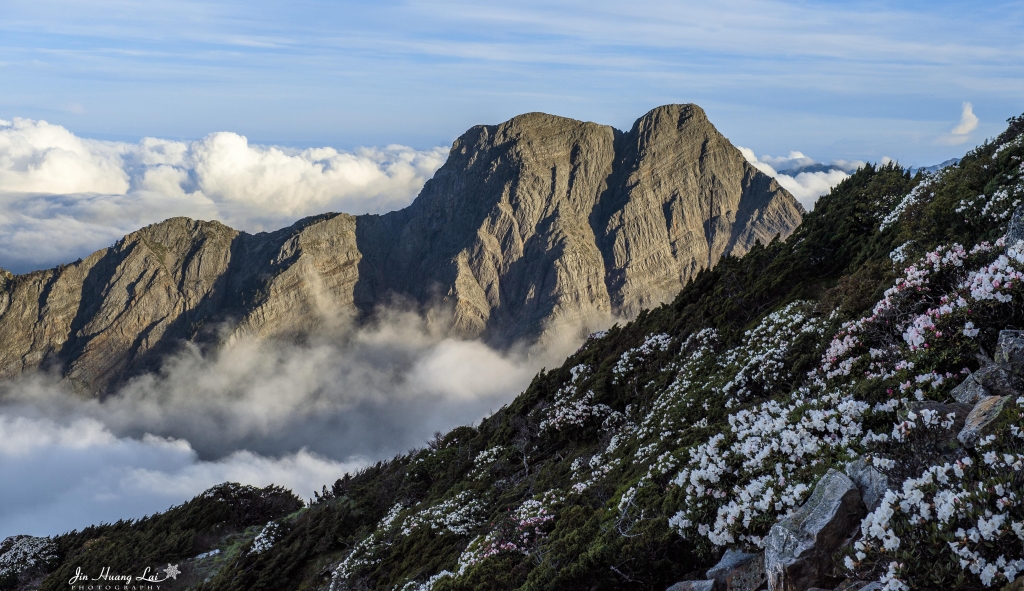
x: 172, y: 571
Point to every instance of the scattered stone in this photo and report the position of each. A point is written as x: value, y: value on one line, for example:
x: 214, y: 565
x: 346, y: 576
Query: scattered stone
x: 871, y: 483
x: 738, y: 571
x: 693, y: 586
x: 985, y: 413
x: 1010, y: 350
x: 855, y: 585
x: 1015, y: 232
x: 969, y: 391
x: 998, y: 380
x: 799, y: 548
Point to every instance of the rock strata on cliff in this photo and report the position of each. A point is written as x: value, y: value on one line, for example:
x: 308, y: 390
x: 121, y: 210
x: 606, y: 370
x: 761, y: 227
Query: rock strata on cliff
x: 533, y: 223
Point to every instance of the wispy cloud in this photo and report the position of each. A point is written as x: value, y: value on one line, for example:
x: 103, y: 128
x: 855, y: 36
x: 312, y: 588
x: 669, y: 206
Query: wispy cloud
x: 968, y: 121
x: 60, y: 476
x: 420, y: 72
x: 961, y: 131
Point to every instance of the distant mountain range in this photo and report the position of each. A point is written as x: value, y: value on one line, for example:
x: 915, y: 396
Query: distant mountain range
x: 820, y: 167
x: 538, y: 222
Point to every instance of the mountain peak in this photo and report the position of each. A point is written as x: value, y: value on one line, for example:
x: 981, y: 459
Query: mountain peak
x: 537, y: 222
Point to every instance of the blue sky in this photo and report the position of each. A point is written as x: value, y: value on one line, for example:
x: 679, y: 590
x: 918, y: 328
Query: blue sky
x: 855, y: 80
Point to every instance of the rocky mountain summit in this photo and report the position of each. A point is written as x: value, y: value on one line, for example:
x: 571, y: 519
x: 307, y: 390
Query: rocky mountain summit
x: 539, y: 222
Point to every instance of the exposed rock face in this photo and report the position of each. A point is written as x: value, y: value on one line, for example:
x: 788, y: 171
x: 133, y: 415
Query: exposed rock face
x: 982, y: 419
x: 738, y: 571
x: 1010, y: 350
x: 533, y: 222
x: 693, y: 586
x: 799, y: 548
x: 871, y: 483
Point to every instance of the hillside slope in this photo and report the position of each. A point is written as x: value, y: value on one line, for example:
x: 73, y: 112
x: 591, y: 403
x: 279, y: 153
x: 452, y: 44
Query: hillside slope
x: 708, y: 423
x: 538, y: 223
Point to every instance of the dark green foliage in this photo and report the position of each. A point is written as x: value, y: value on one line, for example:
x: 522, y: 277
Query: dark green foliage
x: 128, y: 547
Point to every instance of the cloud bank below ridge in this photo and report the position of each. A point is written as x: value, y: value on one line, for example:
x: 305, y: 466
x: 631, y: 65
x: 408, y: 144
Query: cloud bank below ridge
x: 299, y: 415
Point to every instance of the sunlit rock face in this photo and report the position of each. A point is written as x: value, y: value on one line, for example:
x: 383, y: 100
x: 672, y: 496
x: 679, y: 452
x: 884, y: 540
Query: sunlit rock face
x: 533, y: 225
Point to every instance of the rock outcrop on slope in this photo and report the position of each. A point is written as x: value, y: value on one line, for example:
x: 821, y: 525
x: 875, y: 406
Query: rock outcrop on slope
x: 537, y: 221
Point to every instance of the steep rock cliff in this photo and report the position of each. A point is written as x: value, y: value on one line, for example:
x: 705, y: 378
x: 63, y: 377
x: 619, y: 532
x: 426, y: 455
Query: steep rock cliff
x: 538, y: 221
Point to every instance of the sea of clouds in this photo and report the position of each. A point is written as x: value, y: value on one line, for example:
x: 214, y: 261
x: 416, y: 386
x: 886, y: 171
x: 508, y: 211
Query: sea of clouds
x: 299, y: 415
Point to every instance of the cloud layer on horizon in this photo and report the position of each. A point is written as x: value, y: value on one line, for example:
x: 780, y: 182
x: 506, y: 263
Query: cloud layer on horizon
x: 62, y: 196
x: 806, y: 186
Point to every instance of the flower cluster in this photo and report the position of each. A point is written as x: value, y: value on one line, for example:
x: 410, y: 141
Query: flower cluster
x: 365, y: 553
x: 762, y: 466
x: 526, y: 529
x: 18, y: 553
x: 997, y: 207
x: 633, y: 357
x: 697, y: 356
x: 971, y: 504
x: 917, y: 195
x: 266, y: 538
x: 912, y: 307
x: 457, y: 516
x: 758, y: 365
x: 598, y: 467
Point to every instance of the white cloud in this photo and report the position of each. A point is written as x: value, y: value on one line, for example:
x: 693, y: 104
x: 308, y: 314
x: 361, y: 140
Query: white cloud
x: 60, y: 476
x: 960, y: 133
x: 36, y: 156
x: 297, y: 415
x: 63, y: 197
x: 968, y: 121
x: 805, y: 186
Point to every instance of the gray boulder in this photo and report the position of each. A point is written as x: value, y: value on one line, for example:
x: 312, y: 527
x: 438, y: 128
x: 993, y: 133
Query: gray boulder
x: 855, y: 585
x: 693, y: 586
x: 871, y: 483
x: 1015, y: 232
x: 969, y: 391
x: 1010, y: 350
x: 738, y: 571
x: 799, y: 548
x: 998, y: 380
x: 982, y: 419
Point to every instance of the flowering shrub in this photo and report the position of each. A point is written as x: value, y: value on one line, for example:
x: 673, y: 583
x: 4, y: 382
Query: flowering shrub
x: 20, y: 553
x: 920, y: 193
x: 266, y: 538
x: 631, y: 358
x: 457, y: 516
x: 522, y: 533
x: 971, y: 506
x: 366, y: 552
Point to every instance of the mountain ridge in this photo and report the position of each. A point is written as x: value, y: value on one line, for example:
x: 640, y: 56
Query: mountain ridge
x: 538, y: 221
